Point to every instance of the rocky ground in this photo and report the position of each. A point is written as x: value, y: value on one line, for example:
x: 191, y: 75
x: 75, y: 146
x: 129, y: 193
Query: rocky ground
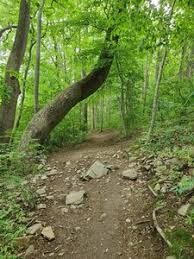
x: 104, y: 212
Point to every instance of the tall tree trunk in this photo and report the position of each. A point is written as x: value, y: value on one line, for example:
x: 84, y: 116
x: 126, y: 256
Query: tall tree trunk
x: 122, y: 99
x: 85, y: 106
x: 37, y: 64
x: 190, y: 65
x: 23, y: 93
x: 182, y: 60
x: 93, y: 117
x: 85, y: 116
x: 146, y: 81
x: 159, y: 77
x: 47, y: 118
x: 101, y: 113
x: 8, y: 105
x: 156, y: 94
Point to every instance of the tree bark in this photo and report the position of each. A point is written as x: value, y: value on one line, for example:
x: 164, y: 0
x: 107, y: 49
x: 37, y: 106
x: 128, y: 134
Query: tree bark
x: 93, y: 116
x: 101, y: 113
x: 37, y: 64
x: 47, y: 118
x: 23, y: 93
x: 122, y: 99
x: 8, y: 105
x: 190, y: 65
x: 159, y: 77
x: 146, y: 81
x: 156, y: 94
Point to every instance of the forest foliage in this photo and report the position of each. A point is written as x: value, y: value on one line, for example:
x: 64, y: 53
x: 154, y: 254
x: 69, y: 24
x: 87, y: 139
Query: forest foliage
x: 149, y: 89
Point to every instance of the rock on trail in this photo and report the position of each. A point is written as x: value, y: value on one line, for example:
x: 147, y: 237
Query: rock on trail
x: 97, y: 170
x: 130, y: 174
x: 75, y: 198
x: 48, y: 233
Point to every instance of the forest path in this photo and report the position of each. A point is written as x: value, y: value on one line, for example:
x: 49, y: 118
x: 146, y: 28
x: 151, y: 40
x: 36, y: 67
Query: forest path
x: 115, y: 219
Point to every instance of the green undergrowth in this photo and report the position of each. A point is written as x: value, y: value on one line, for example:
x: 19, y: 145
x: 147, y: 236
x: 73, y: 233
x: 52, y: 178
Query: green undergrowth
x: 182, y: 243
x: 167, y: 144
x: 16, y: 199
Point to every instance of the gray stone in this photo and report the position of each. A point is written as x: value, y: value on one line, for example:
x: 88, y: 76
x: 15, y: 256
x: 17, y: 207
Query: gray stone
x: 97, y: 170
x: 44, y: 177
x: 130, y: 174
x: 132, y: 159
x: 68, y: 163
x: 103, y: 216
x: 48, y: 233
x: 29, y: 251
x: 147, y: 167
x: 184, y: 209
x: 41, y: 191
x: 50, y: 197
x: 53, y: 172
x: 41, y: 206
x: 75, y: 198
x: 64, y: 210
x: 34, y: 229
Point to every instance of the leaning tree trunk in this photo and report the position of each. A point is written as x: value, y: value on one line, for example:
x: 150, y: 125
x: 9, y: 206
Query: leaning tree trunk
x: 47, y: 118
x: 9, y: 103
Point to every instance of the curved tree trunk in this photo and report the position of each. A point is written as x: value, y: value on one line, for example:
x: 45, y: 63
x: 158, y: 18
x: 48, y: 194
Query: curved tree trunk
x: 46, y: 119
x: 9, y: 103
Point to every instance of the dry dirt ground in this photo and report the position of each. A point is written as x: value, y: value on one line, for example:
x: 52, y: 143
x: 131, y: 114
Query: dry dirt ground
x: 115, y: 220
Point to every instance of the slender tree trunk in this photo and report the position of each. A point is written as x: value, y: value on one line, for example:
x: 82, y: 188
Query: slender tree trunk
x: 158, y: 61
x: 8, y: 104
x: 93, y: 117
x: 159, y: 77
x: 181, y: 67
x: 122, y: 100
x: 156, y: 94
x: 190, y: 66
x: 146, y: 81
x: 85, y: 106
x: 37, y: 64
x: 23, y: 93
x: 101, y: 113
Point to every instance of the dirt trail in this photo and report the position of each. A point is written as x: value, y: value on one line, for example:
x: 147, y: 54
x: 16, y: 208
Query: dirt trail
x: 112, y: 223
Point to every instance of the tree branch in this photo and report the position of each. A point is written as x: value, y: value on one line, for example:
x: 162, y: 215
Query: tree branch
x: 8, y: 28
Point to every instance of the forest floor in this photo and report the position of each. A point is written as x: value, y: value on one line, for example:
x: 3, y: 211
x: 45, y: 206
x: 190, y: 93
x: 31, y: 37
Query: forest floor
x: 115, y: 220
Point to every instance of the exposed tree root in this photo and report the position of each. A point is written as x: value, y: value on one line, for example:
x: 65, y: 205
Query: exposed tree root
x: 158, y: 228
